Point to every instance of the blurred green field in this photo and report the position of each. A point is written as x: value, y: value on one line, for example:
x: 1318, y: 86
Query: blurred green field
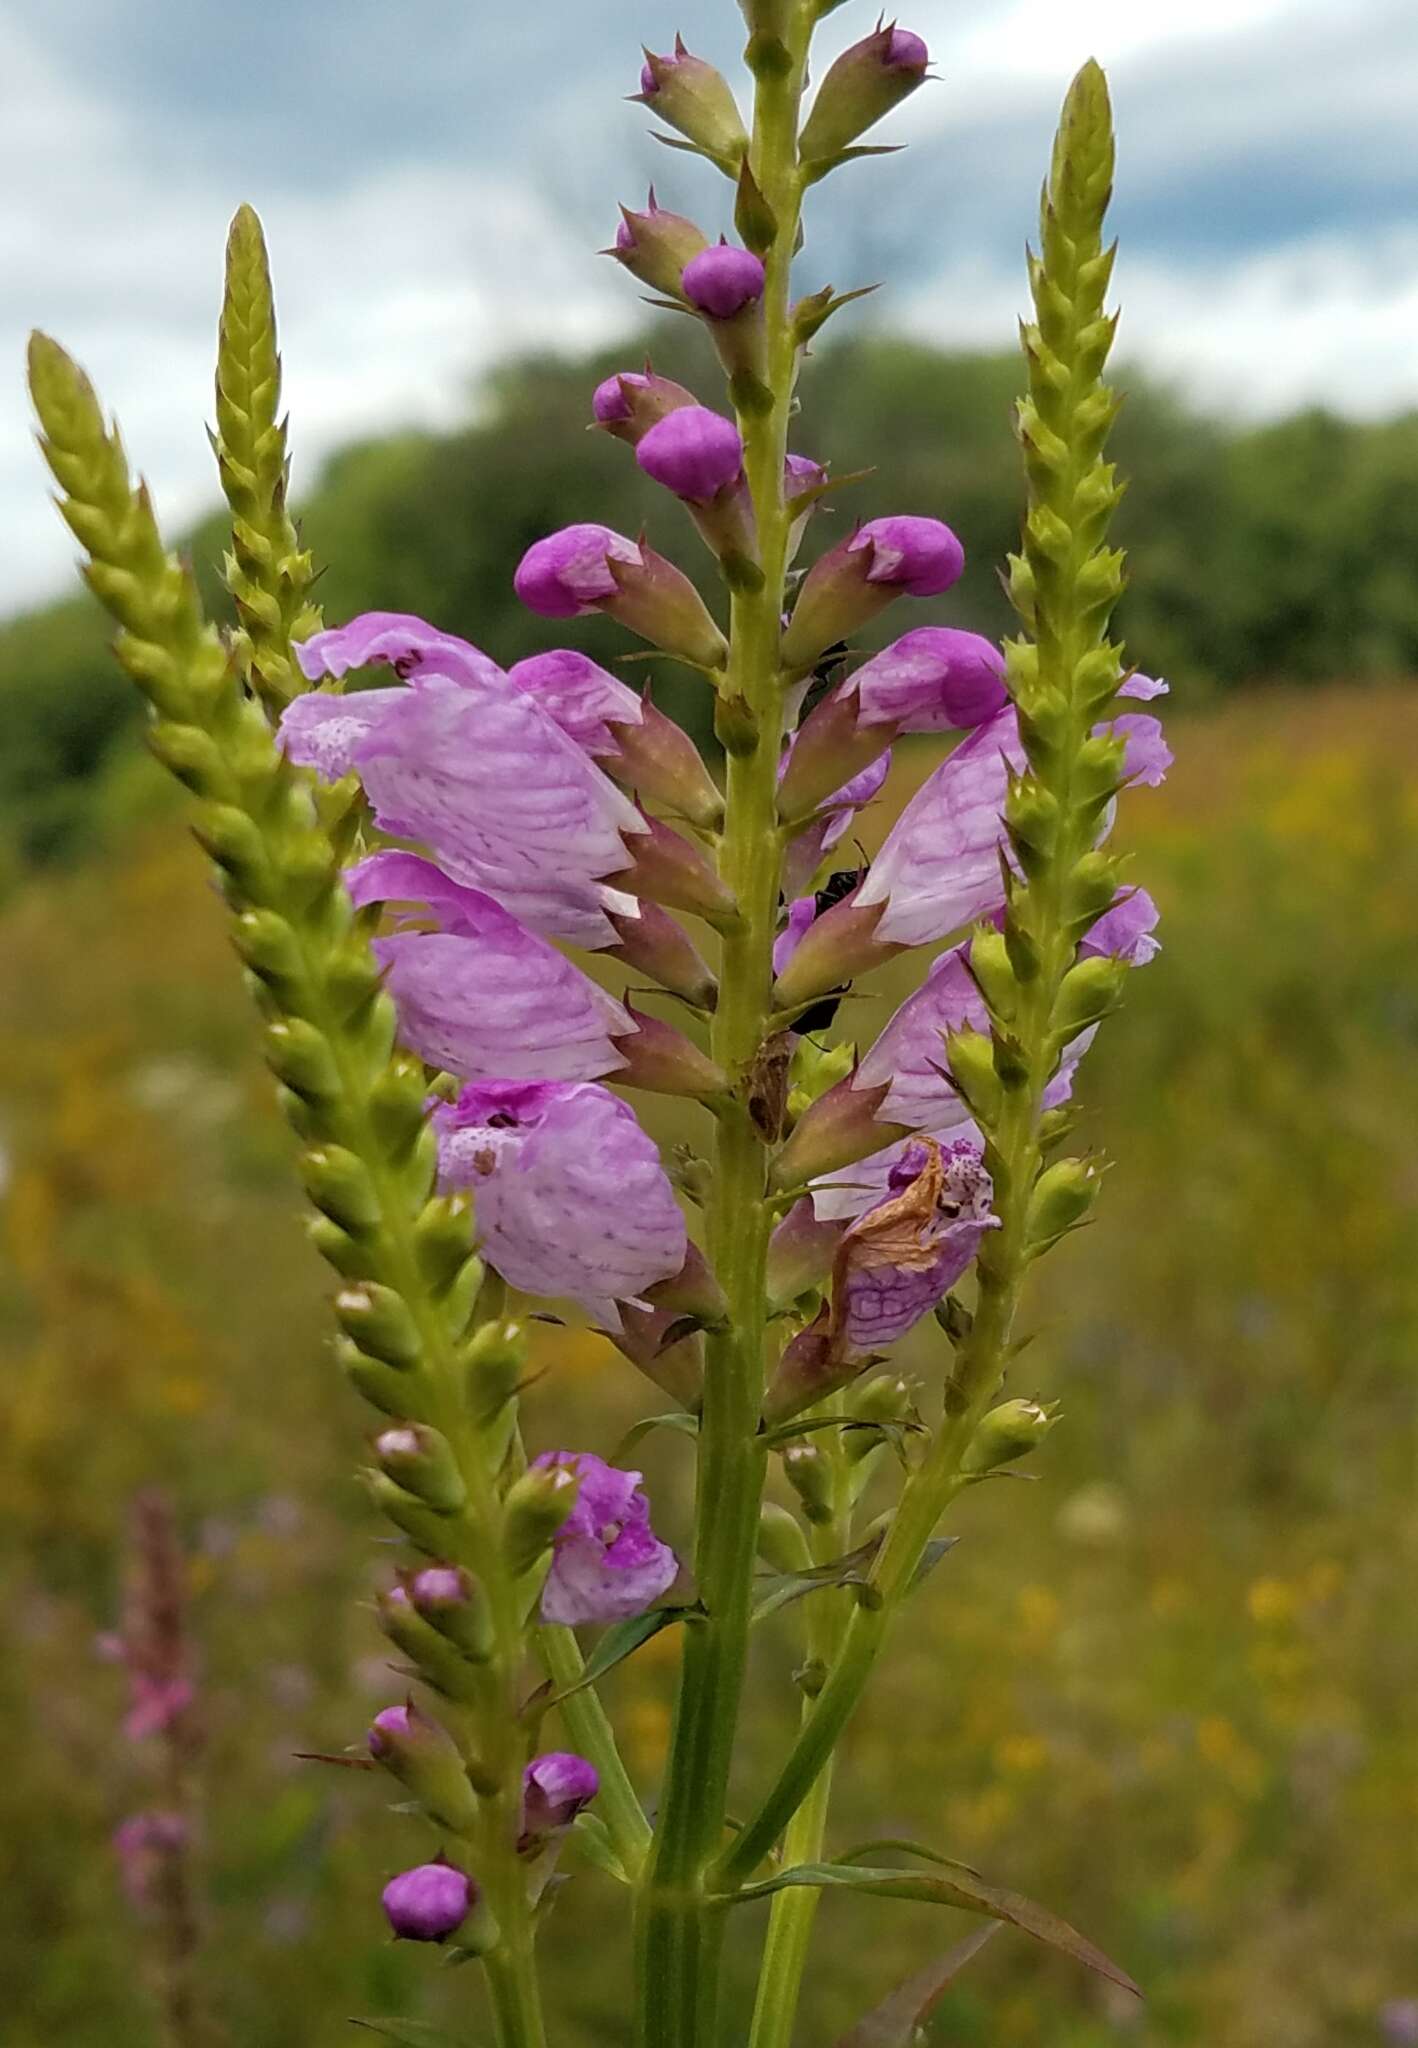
x: 1169, y: 1687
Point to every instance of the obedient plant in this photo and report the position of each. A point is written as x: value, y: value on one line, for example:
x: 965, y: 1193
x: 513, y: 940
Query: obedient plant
x: 428, y: 860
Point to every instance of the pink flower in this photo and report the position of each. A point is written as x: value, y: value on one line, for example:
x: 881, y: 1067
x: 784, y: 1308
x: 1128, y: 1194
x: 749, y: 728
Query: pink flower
x: 571, y: 1197
x: 607, y: 1562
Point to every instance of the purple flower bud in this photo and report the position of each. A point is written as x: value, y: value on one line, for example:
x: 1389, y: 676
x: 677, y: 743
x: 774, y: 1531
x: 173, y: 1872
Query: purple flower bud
x: 654, y: 246
x: 722, y: 280
x: 694, y: 452
x: 607, y: 1563
x: 634, y: 742
x: 589, y: 568
x: 866, y: 82
x: 934, y: 679
x: 801, y: 475
x: 571, y: 1196
x: 454, y: 1603
x: 391, y: 1725
x: 555, y: 1788
x: 693, y: 97
x: 628, y: 404
x: 568, y: 573
x: 429, y: 1903
x: 423, y: 1755
x: 859, y: 577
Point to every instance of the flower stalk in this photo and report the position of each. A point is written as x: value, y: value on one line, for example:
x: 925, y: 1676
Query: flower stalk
x: 354, y: 1100
x: 680, y: 1931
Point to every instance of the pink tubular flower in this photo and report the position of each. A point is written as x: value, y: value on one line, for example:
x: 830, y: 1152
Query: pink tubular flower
x: 903, y: 1256
x: 934, y: 679
x: 607, y: 1562
x: 807, y: 850
x: 555, y: 1788
x: 481, y: 995
x: 693, y: 452
x: 429, y: 1903
x: 635, y: 743
x: 476, y: 769
x: 568, y: 573
x: 571, y: 1197
x: 721, y: 281
x: 885, y: 559
x: 397, y: 640
x: 1125, y: 931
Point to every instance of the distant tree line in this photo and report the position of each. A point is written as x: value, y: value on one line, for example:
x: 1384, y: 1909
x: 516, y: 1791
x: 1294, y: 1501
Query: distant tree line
x: 1286, y: 552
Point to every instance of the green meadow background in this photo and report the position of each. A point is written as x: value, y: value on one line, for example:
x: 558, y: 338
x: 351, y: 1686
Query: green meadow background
x: 1169, y: 1686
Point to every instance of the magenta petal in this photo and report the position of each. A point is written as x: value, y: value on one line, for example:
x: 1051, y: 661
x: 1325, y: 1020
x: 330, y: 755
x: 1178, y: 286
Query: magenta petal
x: 910, y: 1053
x: 1144, y: 687
x: 504, y: 801
x: 1125, y: 931
x: 325, y: 733
x: 607, y: 1562
x: 481, y: 996
x: 1147, y: 757
x: 571, y: 1196
x: 408, y: 644
x: 939, y: 866
x: 579, y: 694
x: 566, y: 573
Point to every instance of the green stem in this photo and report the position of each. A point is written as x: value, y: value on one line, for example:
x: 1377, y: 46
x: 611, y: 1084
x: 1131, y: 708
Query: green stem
x: 680, y: 1935
x: 512, y: 1990
x: 791, y: 1917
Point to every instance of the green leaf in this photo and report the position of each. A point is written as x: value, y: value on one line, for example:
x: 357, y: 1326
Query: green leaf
x: 414, y: 2033
x: 782, y: 1588
x: 789, y: 1432
x: 902, y: 1845
x: 931, y: 1556
x: 619, y: 1642
x: 687, y: 1425
x: 970, y: 1893
x: 894, y: 2023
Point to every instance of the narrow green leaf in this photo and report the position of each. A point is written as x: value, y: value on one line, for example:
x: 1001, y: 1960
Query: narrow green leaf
x: 902, y: 1845
x: 619, y: 1642
x: 894, y: 2023
x: 931, y: 1556
x: 687, y: 1425
x: 782, y: 1588
x: 594, y: 1840
x: 789, y: 1432
x: 970, y: 1893
x: 414, y: 2033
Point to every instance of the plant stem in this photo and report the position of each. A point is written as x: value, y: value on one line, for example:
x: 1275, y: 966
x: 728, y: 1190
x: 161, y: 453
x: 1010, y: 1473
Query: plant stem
x: 791, y: 1917
x: 680, y: 1934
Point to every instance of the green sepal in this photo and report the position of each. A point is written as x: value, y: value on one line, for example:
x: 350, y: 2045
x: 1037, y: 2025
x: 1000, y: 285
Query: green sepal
x: 1089, y: 991
x: 425, y: 1528
x: 969, y: 1056
x: 379, y: 1321
x: 340, y: 1185
x: 753, y: 216
x: 1064, y: 1194
x: 421, y: 1461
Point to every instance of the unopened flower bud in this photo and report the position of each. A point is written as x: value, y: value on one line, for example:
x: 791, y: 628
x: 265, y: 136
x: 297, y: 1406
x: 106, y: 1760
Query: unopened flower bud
x: 655, y: 245
x: 831, y: 949
x: 693, y: 452
x: 1062, y: 1196
x: 422, y: 1755
x: 453, y: 1602
x: 434, y: 1901
x: 589, y: 568
x: 808, y: 1472
x: 422, y: 1462
x: 781, y: 1542
x: 722, y: 280
x: 883, y: 560
x: 555, y: 1788
x: 496, y: 1362
x: 695, y: 98
x: 1091, y: 988
x: 379, y: 1322
x: 1008, y: 1432
x: 536, y: 1506
x: 668, y: 869
x: 631, y: 402
x: 866, y: 82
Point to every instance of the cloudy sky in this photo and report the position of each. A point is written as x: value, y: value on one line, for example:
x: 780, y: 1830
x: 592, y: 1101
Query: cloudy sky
x: 435, y: 176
